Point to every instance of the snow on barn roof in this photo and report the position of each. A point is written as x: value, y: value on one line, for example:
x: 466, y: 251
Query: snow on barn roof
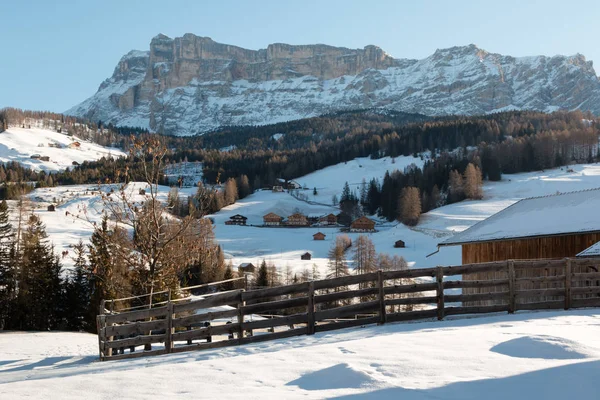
x: 592, y: 251
x: 559, y: 214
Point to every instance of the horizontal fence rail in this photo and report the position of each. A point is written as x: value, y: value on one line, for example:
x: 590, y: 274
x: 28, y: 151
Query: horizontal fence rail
x: 241, y: 316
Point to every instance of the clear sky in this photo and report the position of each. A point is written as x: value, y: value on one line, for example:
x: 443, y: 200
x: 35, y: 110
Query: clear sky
x: 56, y: 53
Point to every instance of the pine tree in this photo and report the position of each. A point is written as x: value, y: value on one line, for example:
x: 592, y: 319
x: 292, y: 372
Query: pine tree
x: 39, y: 293
x: 7, y: 266
x: 262, y: 277
x: 228, y: 274
x: 78, y: 314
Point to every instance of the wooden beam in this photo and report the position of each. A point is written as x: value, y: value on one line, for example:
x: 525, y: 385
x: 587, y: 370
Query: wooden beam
x: 476, y: 310
x: 310, y: 309
x: 512, y: 299
x: 131, y: 316
x: 346, y: 294
x: 475, y: 284
x: 568, y: 282
x: 275, y: 305
x: 412, y: 300
x: 440, y: 292
x: 275, y: 291
x: 345, y: 280
x: 222, y: 299
x: 346, y: 324
x: 346, y: 311
x: 416, y: 287
x: 381, y: 290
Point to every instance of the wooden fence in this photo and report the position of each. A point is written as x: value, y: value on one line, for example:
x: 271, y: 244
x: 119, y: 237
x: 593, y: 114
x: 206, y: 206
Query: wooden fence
x: 234, y: 317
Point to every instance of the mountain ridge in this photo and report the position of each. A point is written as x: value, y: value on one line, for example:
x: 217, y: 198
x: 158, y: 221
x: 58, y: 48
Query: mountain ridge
x: 192, y: 84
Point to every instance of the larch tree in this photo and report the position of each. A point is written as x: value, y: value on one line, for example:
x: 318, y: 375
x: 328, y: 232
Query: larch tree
x: 473, y: 182
x: 456, y: 190
x: 410, y: 206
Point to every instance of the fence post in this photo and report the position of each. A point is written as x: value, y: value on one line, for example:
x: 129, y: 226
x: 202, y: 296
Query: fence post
x: 240, y: 316
x: 99, y: 325
x: 380, y: 286
x: 310, y: 309
x: 568, y: 278
x: 440, y: 292
x: 512, y: 297
x: 169, y: 331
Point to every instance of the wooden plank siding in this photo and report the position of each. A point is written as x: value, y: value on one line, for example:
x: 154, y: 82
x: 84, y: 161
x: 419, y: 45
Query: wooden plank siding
x: 550, y: 247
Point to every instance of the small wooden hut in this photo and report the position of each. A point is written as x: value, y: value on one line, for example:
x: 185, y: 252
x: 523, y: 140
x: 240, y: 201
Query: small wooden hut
x: 319, y: 236
x: 51, y: 208
x: 399, y: 244
x: 306, y: 256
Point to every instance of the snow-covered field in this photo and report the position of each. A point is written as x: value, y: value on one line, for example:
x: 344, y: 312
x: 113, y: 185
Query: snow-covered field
x: 19, y: 144
x: 545, y: 355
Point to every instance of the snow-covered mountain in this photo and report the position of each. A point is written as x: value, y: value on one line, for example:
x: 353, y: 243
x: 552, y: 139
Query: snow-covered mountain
x: 192, y: 84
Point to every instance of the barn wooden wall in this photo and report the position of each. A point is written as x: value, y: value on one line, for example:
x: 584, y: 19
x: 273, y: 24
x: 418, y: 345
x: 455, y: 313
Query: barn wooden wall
x: 524, y: 249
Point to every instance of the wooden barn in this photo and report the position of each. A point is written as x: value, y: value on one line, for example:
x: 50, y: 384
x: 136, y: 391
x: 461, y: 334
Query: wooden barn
x: 362, y: 224
x: 236, y: 219
x: 306, y: 256
x: 319, y: 236
x: 297, y: 219
x: 272, y: 219
x: 399, y: 244
x: 246, y: 268
x: 52, y: 208
x: 547, y: 227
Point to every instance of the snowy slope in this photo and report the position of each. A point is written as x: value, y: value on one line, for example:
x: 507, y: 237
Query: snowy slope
x: 545, y: 355
x: 150, y: 89
x: 19, y: 144
x: 284, y: 246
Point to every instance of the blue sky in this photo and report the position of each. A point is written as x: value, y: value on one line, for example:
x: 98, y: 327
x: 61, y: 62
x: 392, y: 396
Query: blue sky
x: 56, y: 53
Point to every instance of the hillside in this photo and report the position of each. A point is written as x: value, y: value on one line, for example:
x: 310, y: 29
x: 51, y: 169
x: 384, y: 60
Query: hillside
x: 19, y: 144
x: 544, y: 355
x: 192, y: 84
x: 283, y: 247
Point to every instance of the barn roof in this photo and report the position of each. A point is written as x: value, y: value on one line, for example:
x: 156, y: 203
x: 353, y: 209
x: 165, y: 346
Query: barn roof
x: 592, y: 251
x: 559, y: 214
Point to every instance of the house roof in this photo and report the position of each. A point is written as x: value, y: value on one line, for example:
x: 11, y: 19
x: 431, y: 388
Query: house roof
x: 237, y: 216
x: 297, y: 215
x: 592, y: 251
x: 363, y: 220
x: 319, y: 234
x: 559, y: 214
x: 271, y: 215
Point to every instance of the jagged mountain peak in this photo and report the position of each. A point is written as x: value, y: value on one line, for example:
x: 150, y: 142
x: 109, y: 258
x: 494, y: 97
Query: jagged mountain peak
x: 191, y: 84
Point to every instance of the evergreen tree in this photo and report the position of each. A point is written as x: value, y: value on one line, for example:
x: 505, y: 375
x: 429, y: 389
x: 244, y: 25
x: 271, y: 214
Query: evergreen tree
x: 228, y: 274
x: 262, y: 277
x: 78, y: 314
x: 7, y: 266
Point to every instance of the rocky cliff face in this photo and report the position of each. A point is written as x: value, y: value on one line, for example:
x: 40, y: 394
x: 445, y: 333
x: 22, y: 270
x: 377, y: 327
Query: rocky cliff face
x: 192, y: 84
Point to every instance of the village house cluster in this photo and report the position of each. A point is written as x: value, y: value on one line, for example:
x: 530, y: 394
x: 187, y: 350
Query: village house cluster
x: 361, y: 224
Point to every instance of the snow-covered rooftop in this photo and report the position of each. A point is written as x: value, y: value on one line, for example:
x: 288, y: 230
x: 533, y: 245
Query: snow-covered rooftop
x: 592, y: 251
x: 564, y: 213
